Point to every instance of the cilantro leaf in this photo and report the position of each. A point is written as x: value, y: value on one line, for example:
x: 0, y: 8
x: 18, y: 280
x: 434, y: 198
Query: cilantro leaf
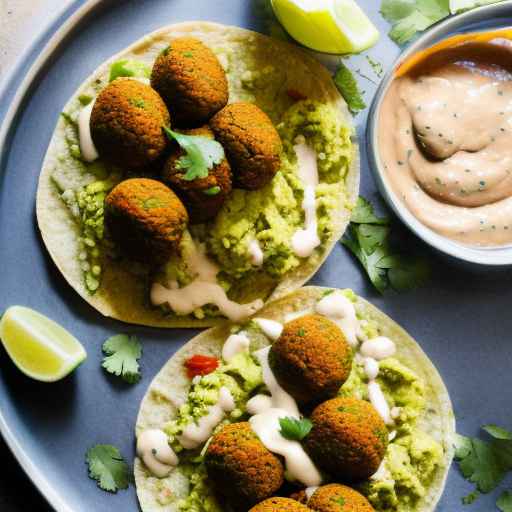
x: 407, y: 273
x: 349, y: 89
x: 128, y: 68
x: 411, y: 16
x: 363, y: 213
x: 498, y: 432
x: 122, y: 352
x: 504, y: 502
x: 294, y: 429
x: 201, y: 154
x: 107, y: 467
x: 470, y: 498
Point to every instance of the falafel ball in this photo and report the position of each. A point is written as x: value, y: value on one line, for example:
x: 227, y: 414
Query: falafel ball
x: 191, y: 81
x: 338, y: 498
x: 126, y: 123
x: 348, y: 438
x: 241, y: 467
x: 311, y: 359
x: 203, y: 197
x: 145, y: 219
x: 279, y: 505
x: 251, y: 142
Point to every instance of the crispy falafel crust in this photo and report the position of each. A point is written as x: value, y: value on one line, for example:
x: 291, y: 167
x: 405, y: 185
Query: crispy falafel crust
x: 171, y: 386
x: 279, y: 505
x: 191, y: 81
x: 348, y: 439
x: 145, y: 219
x: 123, y: 293
x: 251, y: 142
x: 240, y: 466
x: 338, y: 498
x: 311, y: 359
x: 126, y: 123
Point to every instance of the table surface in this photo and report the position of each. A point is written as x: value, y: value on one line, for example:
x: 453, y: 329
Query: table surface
x: 20, y: 23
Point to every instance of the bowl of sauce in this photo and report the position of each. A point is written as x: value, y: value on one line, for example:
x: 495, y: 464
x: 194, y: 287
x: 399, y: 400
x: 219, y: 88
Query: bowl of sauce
x: 440, y: 140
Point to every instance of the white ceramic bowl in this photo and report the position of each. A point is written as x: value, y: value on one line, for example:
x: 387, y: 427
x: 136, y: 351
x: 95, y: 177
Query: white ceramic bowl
x: 485, y: 18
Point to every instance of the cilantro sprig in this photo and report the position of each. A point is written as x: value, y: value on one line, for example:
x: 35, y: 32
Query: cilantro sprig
x: 485, y: 463
x: 369, y: 238
x: 107, y: 467
x: 201, y: 154
x: 349, y: 89
x: 122, y: 352
x: 295, y: 429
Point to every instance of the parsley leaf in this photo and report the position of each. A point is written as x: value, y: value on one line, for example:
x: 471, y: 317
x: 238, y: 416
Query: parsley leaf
x: 107, y: 467
x: 128, y: 68
x: 470, y: 498
x: 294, y: 429
x: 201, y: 154
x: 349, y: 89
x: 369, y: 239
x: 504, y: 502
x: 122, y: 352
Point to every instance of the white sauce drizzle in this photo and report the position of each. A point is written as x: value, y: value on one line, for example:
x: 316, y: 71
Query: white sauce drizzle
x: 271, y: 329
x: 304, y: 241
x: 310, y: 491
x: 234, y: 345
x: 296, y: 314
x: 378, y: 400
x: 378, y: 348
x: 204, y: 289
x: 299, y: 467
x: 256, y: 255
x: 87, y: 147
x: 195, y: 434
x: 340, y: 310
x: 154, y: 450
x: 371, y: 368
x: 259, y: 404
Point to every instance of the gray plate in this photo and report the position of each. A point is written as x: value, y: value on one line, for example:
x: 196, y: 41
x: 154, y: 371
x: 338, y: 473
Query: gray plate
x: 461, y: 318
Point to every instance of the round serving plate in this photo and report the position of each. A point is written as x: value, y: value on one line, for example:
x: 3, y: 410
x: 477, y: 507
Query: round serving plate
x: 461, y: 318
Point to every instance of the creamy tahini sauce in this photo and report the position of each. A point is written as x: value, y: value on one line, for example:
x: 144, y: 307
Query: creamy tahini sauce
x: 204, y: 289
x: 195, y: 434
x: 234, y: 345
x: 154, y: 450
x: 305, y: 240
x: 378, y: 348
x: 87, y: 147
x: 445, y: 139
x: 255, y: 253
x: 378, y: 400
x: 271, y: 329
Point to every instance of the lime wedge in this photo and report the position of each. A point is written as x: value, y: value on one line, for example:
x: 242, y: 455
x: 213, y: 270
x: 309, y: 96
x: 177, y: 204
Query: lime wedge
x: 330, y: 26
x: 38, y: 346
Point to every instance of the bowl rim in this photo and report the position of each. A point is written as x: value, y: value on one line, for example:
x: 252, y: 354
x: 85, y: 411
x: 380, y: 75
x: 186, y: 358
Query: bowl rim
x: 490, y: 256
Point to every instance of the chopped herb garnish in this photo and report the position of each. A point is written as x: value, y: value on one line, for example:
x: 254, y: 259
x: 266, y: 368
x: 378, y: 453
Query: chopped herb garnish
x: 377, y: 67
x: 212, y: 191
x: 84, y: 99
x: 201, y: 154
x: 122, y: 352
x: 138, y: 102
x: 470, y: 498
x: 340, y: 501
x: 349, y: 89
x: 369, y: 239
x: 107, y: 467
x: 301, y: 332
x: 129, y: 68
x: 294, y: 429
x: 188, y: 55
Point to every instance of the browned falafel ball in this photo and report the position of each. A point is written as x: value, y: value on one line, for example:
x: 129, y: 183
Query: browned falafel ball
x: 338, y: 498
x: 126, y: 123
x: 251, y: 142
x: 240, y: 466
x: 279, y: 505
x: 145, y: 219
x: 348, y: 438
x: 311, y: 359
x: 203, y: 197
x: 300, y: 496
x: 191, y: 81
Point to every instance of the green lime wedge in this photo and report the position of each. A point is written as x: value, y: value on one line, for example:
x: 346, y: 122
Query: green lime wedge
x: 38, y: 346
x: 330, y: 26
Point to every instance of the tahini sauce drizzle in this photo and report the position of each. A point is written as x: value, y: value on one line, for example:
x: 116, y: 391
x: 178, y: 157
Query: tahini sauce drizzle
x: 87, y: 147
x: 204, y: 289
x: 154, y: 450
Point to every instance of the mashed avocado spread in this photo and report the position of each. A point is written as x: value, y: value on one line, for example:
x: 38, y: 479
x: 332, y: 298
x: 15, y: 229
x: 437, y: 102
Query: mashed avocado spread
x: 269, y: 216
x: 409, y: 465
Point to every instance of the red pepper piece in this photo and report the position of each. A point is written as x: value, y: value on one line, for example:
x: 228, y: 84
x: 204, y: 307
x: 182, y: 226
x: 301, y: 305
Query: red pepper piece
x: 201, y: 365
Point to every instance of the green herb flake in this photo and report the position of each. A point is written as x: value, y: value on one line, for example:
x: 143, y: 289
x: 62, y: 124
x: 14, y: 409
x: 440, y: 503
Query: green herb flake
x: 504, y: 502
x: 107, y: 467
x: 349, y: 89
x: 129, y: 68
x: 122, y: 353
x: 301, y: 332
x: 340, y: 501
x: 294, y: 429
x: 84, y: 99
x: 470, y: 498
x: 138, y: 102
x: 201, y: 154
x: 363, y: 213
x: 212, y: 191
x: 188, y: 55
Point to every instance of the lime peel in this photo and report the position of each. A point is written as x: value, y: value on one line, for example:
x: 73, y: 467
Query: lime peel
x: 38, y: 346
